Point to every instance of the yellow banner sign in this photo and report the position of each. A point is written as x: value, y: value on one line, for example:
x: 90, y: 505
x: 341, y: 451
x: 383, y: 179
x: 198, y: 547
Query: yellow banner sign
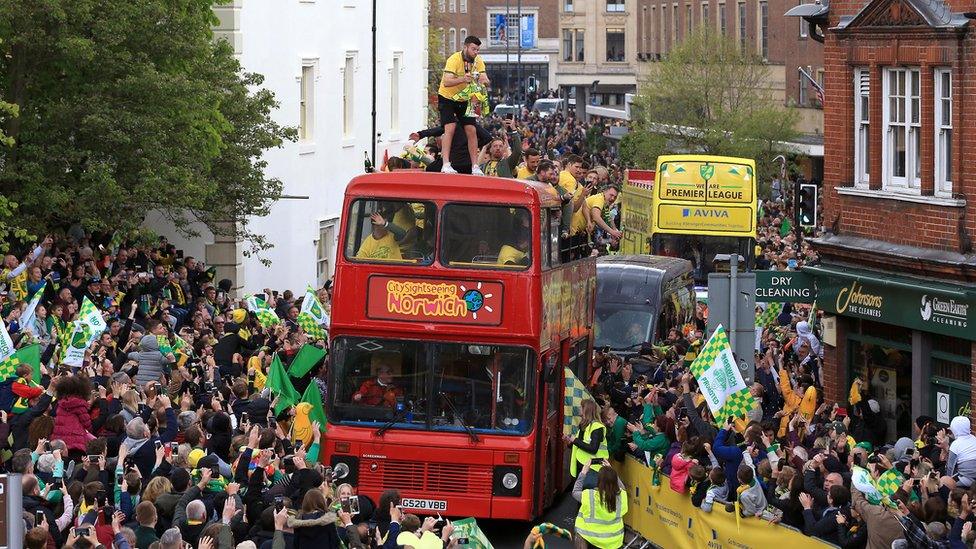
x: 705, y: 181
x: 700, y: 218
x: 668, y: 519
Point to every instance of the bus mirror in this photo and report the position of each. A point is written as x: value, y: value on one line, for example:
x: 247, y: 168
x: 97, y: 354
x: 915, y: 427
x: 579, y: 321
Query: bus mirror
x: 552, y: 374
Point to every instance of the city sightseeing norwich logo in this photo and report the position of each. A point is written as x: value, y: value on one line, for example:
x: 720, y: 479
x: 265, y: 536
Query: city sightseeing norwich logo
x: 425, y: 299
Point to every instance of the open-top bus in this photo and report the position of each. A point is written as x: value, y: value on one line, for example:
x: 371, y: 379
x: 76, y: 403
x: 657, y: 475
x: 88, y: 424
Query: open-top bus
x: 696, y: 207
x: 453, y: 317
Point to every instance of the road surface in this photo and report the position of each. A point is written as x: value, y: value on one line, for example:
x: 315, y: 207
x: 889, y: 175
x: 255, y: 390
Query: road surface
x: 510, y: 534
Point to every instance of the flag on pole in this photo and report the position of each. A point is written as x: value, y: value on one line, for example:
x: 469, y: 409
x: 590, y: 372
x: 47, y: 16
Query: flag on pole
x: 719, y: 378
x: 30, y: 354
x: 313, y: 317
x: 6, y: 344
x: 575, y: 394
x: 314, y: 397
x: 281, y: 386
x: 27, y: 319
x: 308, y: 356
x: 266, y: 315
x: 768, y: 316
x: 85, y: 330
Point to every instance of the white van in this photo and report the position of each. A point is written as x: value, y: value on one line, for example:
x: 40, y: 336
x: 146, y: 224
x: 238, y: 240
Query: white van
x: 547, y: 106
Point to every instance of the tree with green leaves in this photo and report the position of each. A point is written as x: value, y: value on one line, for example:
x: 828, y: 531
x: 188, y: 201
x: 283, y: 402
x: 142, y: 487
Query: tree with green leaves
x: 709, y: 97
x: 127, y: 107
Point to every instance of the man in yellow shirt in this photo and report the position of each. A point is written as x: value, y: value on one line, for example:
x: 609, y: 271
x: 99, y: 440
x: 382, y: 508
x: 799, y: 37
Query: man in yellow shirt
x: 14, y: 273
x: 380, y: 244
x: 532, y: 159
x: 594, y: 211
x: 461, y: 69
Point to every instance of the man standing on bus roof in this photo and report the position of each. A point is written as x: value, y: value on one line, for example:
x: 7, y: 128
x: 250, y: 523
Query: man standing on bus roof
x: 380, y: 244
x: 595, y: 209
x: 379, y: 391
x: 532, y: 159
x: 499, y: 165
x: 462, y: 68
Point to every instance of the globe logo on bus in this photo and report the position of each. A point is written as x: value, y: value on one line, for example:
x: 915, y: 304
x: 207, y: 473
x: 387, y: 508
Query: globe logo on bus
x: 474, y: 300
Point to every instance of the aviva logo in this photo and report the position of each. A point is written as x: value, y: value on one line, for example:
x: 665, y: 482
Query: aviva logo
x: 702, y: 212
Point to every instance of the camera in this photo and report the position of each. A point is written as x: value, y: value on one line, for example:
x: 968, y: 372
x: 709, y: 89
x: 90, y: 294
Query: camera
x: 279, y: 503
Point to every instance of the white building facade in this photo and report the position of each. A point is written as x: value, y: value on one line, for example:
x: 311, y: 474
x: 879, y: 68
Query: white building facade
x: 316, y: 56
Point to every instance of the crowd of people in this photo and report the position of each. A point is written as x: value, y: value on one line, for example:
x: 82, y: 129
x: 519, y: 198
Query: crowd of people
x: 166, y: 433
x: 826, y: 469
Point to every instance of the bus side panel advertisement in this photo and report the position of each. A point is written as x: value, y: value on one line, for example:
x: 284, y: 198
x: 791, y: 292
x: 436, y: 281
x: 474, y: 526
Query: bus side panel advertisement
x: 730, y: 220
x: 434, y: 300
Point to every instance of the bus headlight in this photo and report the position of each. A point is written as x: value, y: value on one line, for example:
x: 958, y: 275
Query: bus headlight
x: 507, y: 481
x: 510, y: 481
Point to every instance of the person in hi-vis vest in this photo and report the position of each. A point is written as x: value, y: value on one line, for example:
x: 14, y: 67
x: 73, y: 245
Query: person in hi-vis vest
x: 590, y: 443
x: 600, y: 522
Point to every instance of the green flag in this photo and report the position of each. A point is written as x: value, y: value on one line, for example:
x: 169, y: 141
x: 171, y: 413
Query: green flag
x: 313, y: 397
x: 266, y: 315
x: 30, y: 354
x: 281, y: 386
x: 785, y: 227
x: 307, y: 357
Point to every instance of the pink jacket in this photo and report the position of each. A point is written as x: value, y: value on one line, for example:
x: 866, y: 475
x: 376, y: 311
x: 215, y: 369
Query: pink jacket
x: 72, y: 423
x: 679, y: 473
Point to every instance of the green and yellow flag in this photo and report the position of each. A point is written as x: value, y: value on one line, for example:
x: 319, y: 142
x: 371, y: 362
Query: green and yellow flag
x: 266, y: 315
x: 28, y: 355
x: 719, y: 378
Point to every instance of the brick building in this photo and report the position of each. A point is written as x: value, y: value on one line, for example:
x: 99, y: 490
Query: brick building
x: 496, y: 22
x: 898, y: 267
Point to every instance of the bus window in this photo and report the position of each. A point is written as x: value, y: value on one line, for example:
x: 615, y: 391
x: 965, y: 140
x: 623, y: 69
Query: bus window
x: 378, y: 380
x: 552, y: 235
x: 494, y: 237
x: 486, y: 387
x: 394, y: 231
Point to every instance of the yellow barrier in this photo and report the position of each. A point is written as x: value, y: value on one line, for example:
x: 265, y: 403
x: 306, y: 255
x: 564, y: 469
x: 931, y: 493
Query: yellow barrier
x: 669, y: 520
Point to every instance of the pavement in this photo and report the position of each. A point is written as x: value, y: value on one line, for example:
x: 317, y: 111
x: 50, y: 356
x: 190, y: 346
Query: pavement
x: 511, y: 534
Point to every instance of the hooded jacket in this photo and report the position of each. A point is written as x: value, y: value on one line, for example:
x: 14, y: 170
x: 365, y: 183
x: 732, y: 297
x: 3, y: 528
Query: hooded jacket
x: 220, y: 436
x: 150, y: 360
x: 962, y: 451
x: 315, y: 530
x: 72, y: 423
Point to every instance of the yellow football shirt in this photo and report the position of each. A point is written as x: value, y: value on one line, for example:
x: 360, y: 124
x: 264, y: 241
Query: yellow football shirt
x: 457, y: 66
x: 383, y: 248
x: 523, y: 173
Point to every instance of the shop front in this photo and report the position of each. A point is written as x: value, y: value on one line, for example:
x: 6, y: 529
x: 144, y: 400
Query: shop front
x: 911, y: 339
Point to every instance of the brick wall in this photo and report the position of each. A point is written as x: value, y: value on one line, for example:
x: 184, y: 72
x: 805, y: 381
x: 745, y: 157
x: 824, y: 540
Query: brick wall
x: 834, y: 372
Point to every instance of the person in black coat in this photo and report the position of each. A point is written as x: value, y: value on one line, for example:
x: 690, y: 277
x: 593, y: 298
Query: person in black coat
x: 838, y: 499
x: 34, y: 502
x: 20, y: 423
x: 315, y: 527
x: 219, y: 429
x: 459, y: 148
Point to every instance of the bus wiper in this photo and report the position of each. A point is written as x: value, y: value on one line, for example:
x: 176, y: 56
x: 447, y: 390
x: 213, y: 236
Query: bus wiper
x: 454, y: 410
x: 402, y: 413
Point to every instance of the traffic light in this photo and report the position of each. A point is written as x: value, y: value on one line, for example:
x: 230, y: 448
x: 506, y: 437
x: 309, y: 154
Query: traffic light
x: 531, y: 84
x: 808, y: 205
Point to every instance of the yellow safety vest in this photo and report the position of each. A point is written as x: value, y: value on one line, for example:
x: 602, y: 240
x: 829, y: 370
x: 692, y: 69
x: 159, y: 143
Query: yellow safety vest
x: 582, y: 456
x: 597, y: 524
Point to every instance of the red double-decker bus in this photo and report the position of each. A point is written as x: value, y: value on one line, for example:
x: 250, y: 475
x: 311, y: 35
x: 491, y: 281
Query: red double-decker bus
x: 453, y: 316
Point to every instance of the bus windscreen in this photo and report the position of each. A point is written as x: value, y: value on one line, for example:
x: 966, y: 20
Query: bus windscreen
x: 391, y: 231
x: 435, y: 386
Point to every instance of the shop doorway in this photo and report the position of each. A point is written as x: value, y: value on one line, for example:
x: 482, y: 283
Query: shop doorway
x: 887, y: 367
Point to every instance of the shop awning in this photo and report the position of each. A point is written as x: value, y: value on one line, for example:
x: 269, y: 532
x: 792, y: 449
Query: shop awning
x: 889, y: 298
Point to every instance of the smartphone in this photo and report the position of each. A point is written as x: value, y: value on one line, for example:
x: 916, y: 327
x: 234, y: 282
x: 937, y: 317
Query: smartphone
x: 299, y: 444
x: 463, y: 541
x: 344, y: 504
x: 354, y: 505
x: 94, y: 458
x: 38, y: 517
x: 159, y: 444
x: 174, y: 447
x: 215, y: 472
x: 272, y: 423
x: 100, y: 498
x: 243, y: 417
x: 841, y: 412
x: 119, y: 478
x: 82, y: 532
x: 279, y: 503
x: 107, y: 513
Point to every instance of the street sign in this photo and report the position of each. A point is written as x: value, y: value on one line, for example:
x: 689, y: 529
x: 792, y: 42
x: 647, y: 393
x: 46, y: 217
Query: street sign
x: 785, y: 287
x: 942, y: 414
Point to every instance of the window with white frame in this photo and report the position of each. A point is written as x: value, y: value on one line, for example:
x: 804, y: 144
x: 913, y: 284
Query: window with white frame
x: 763, y: 29
x: 902, y: 130
x: 722, y: 25
x: 862, y: 103
x: 348, y: 89
x: 306, y: 105
x: 943, y: 133
x: 395, y: 93
x: 616, y: 5
x: 704, y: 14
x: 325, y: 252
x: 567, y: 5
x: 452, y: 39
x: 463, y: 6
x: 452, y: 6
x: 801, y: 96
x: 464, y: 34
x: 442, y: 5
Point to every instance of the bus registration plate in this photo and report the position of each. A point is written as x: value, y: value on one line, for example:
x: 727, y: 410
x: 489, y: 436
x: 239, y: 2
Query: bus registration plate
x: 424, y: 504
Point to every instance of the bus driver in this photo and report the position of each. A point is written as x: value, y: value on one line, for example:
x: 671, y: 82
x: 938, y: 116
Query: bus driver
x: 379, y: 391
